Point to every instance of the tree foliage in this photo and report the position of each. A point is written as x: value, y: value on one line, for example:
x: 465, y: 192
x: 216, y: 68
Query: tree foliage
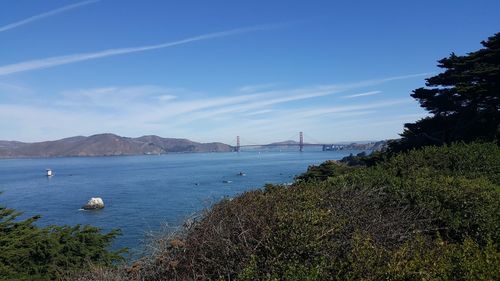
x: 29, y: 252
x: 464, y: 101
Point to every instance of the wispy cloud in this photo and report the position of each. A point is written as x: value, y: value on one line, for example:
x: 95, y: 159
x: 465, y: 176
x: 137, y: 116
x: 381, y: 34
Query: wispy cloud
x: 61, y: 60
x: 8, y: 88
x: 116, y: 97
x: 177, y: 112
x: 259, y: 112
x: 362, y: 94
x: 349, y: 108
x: 256, y: 87
x: 257, y: 102
x: 45, y: 15
x: 378, y: 81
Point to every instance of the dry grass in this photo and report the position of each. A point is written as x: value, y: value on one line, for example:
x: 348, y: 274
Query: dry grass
x: 98, y: 274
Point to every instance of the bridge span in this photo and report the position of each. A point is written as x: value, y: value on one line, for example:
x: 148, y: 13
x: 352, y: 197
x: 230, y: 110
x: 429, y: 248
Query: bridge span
x: 301, y: 144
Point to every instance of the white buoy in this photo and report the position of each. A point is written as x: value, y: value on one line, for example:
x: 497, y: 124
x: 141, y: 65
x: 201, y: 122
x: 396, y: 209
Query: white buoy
x: 49, y: 173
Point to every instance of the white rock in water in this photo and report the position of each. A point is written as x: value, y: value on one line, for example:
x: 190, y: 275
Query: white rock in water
x: 94, y: 203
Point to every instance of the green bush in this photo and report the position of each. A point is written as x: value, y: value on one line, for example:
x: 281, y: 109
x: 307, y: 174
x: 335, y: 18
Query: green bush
x: 364, y: 159
x: 457, y: 186
x: 472, y: 160
x: 28, y: 252
x: 430, y: 214
x: 323, y: 171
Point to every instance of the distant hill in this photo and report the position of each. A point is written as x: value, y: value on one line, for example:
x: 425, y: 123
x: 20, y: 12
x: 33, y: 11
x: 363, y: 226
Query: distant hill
x: 284, y: 143
x: 376, y: 145
x: 370, y: 145
x: 106, y: 145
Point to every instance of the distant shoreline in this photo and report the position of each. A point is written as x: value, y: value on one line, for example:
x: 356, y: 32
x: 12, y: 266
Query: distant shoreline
x: 107, y: 145
x: 103, y: 156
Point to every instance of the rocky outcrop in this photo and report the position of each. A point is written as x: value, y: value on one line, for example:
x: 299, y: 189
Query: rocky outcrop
x: 94, y: 204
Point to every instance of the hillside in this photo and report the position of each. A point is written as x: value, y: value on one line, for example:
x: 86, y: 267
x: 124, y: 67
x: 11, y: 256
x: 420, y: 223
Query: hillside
x: 374, y: 145
x: 106, y: 145
x: 284, y: 143
x: 377, y: 146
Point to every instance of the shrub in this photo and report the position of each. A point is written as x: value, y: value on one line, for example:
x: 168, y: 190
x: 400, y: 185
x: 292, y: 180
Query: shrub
x: 28, y: 252
x: 430, y: 214
x: 323, y: 171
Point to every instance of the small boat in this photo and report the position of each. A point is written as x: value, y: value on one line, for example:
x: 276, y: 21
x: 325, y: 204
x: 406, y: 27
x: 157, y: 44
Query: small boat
x: 241, y: 174
x: 226, y: 181
x: 49, y: 173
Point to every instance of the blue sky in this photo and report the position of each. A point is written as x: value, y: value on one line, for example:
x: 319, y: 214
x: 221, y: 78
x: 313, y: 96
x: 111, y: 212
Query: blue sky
x: 211, y: 70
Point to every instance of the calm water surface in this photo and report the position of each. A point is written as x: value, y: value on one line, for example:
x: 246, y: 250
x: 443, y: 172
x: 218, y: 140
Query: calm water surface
x: 142, y: 193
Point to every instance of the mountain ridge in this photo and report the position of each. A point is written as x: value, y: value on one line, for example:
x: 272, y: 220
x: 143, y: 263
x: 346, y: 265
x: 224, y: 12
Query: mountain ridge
x: 106, y: 144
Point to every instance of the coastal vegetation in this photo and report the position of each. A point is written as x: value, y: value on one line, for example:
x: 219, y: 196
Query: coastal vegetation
x: 30, y: 252
x: 428, y: 208
x: 428, y: 214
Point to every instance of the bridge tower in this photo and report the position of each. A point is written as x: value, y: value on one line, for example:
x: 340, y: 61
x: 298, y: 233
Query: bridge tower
x: 238, y: 144
x: 301, y: 141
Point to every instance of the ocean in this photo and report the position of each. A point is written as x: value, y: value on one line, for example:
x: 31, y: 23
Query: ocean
x: 142, y: 194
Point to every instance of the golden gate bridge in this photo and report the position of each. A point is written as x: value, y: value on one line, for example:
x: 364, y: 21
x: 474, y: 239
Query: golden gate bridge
x: 300, y: 144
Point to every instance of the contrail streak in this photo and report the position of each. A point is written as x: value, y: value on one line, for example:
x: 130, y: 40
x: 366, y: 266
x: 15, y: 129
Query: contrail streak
x: 60, y: 60
x: 46, y: 14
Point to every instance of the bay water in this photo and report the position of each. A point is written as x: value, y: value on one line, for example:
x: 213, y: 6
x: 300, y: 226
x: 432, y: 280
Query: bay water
x: 143, y: 194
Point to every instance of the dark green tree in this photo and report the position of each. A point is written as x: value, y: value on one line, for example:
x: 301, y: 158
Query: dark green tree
x: 29, y: 252
x: 464, y: 101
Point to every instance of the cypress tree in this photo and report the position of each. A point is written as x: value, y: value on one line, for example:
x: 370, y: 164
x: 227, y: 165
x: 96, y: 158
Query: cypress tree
x: 464, y: 101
